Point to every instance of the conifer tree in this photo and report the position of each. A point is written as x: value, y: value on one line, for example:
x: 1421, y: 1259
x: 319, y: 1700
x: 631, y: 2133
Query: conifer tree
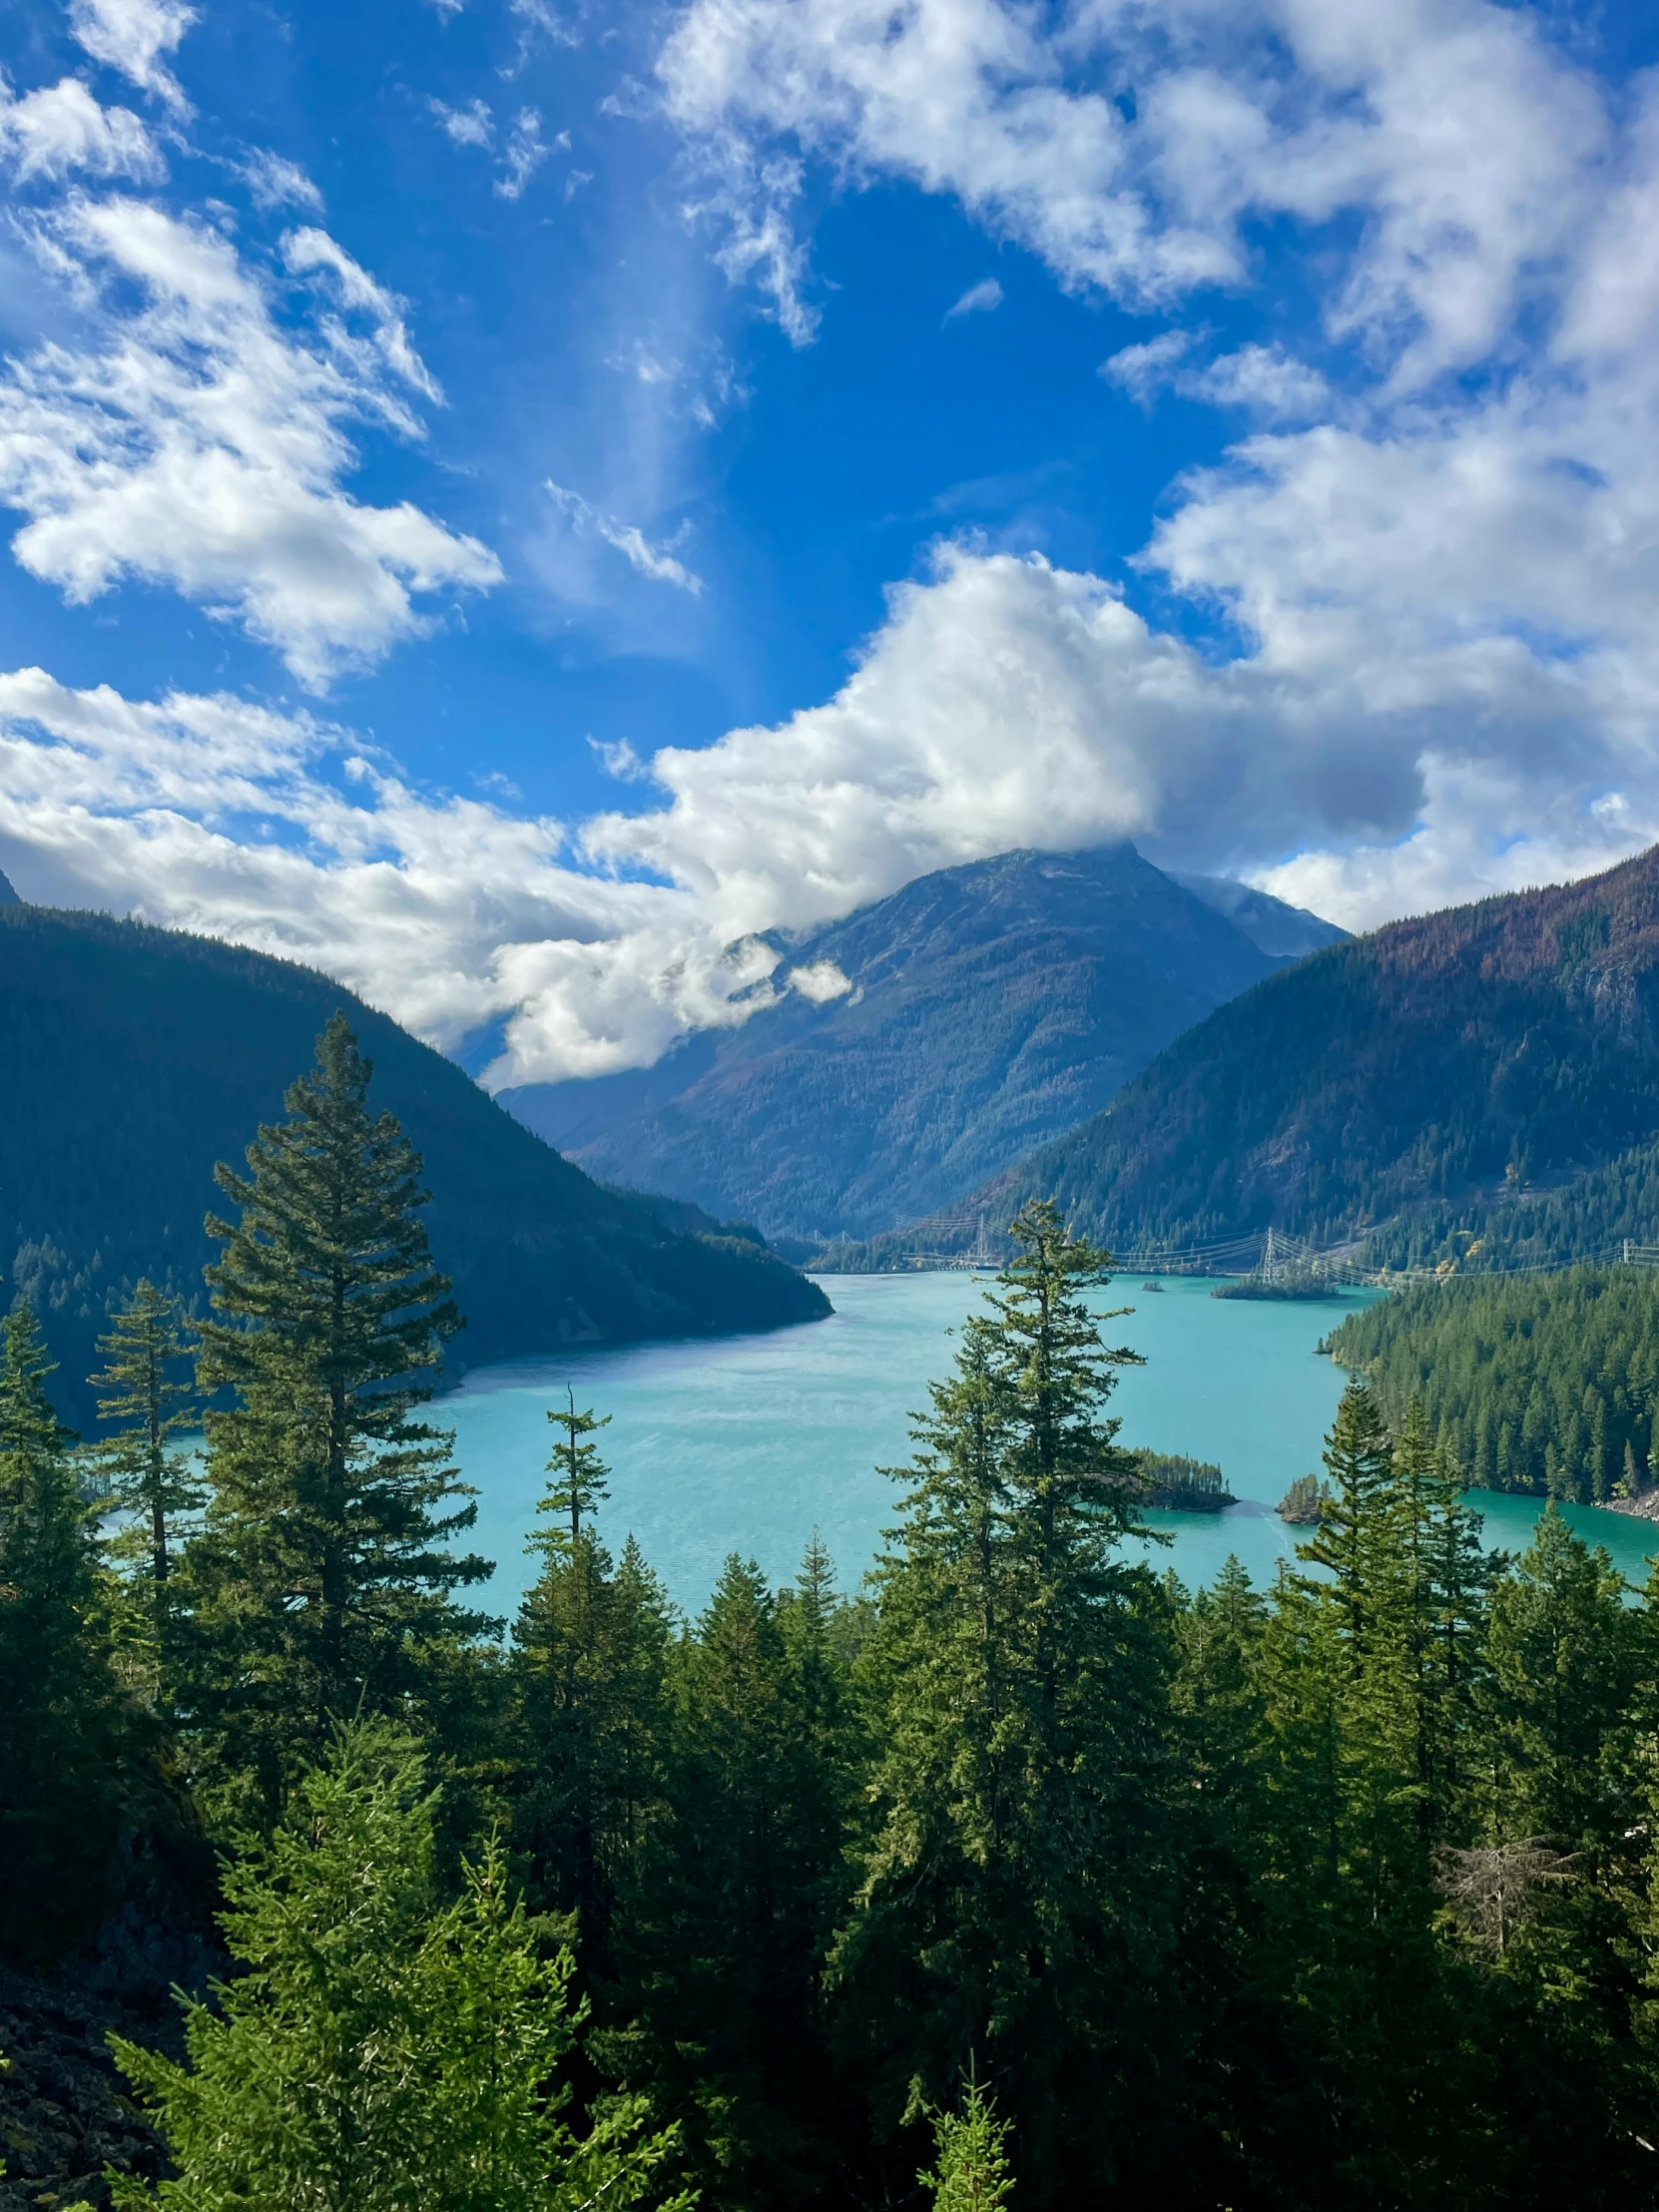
x: 1014, y: 1897
x: 145, y: 1399
x: 579, y: 1484
x: 61, y: 1732
x: 589, y: 1702
x: 384, y: 2051
x: 970, y: 2171
x: 321, y: 1581
x: 1358, y: 1463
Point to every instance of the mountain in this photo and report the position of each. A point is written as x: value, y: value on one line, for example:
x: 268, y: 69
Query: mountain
x: 925, y: 1041
x: 137, y: 1057
x: 1463, y: 1078
x: 8, y: 897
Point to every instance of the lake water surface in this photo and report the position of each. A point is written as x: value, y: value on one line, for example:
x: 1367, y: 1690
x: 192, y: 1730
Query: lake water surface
x: 749, y: 1443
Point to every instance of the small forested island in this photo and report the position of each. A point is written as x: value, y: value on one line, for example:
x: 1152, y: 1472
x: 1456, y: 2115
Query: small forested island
x: 1546, y: 1382
x: 1175, y: 1485
x: 1304, y: 1502
x: 1023, y: 1875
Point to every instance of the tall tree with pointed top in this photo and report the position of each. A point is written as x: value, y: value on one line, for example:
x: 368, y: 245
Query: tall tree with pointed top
x: 61, y: 1714
x: 323, y: 1577
x: 578, y: 1472
x: 146, y: 1400
x: 1015, y: 1900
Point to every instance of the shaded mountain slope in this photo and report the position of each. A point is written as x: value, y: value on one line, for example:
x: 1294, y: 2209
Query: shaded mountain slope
x: 135, y: 1058
x: 975, y: 1011
x: 1468, y: 1066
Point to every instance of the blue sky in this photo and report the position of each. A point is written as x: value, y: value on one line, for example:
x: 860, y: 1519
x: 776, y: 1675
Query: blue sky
x: 508, y: 499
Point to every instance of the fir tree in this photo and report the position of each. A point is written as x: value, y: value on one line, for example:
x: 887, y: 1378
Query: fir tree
x: 321, y: 1579
x: 579, y: 1486
x: 158, y: 1487
x: 384, y: 2051
x: 970, y: 2170
x: 1014, y: 1897
x: 1358, y: 1464
x: 63, y: 1726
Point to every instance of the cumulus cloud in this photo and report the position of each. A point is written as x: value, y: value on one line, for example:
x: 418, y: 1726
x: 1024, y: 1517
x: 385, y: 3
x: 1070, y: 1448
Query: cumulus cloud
x: 133, y: 37
x: 658, y: 562
x: 60, y: 130
x: 980, y: 299
x: 195, y: 442
x: 1004, y: 702
x: 1130, y: 150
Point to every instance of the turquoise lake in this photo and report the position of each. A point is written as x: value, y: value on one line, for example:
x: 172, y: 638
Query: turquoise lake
x: 749, y: 1443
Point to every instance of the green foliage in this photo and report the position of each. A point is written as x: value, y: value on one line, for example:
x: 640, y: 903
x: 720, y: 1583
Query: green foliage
x: 970, y: 2170
x: 1013, y: 1901
x: 320, y: 1583
x: 1545, y: 1384
x: 63, y: 1723
x: 580, y: 1486
x: 137, y: 1057
x: 384, y: 2051
x: 1411, y: 1069
x: 143, y: 1402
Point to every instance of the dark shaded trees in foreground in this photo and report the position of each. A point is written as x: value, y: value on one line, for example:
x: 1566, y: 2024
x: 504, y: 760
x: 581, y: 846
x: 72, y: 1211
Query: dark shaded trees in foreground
x: 1026, y: 1870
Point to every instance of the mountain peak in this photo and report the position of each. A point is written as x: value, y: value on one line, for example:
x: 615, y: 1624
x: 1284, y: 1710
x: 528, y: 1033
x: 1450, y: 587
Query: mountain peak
x: 928, y: 1039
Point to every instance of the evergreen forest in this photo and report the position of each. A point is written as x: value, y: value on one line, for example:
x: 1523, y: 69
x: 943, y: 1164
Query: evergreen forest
x: 1450, y: 1073
x: 137, y: 1057
x: 1543, y: 1382
x: 1022, y: 1877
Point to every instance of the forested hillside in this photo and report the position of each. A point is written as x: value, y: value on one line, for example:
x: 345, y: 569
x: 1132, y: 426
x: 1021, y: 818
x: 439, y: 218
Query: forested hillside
x: 136, y: 1058
x: 1540, y: 1383
x: 1443, y: 1067
x: 926, y: 1041
x: 1026, y: 1881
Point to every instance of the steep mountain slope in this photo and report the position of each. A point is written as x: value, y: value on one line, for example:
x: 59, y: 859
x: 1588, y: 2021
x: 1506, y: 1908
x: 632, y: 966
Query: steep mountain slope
x: 927, y: 1040
x: 136, y: 1058
x: 1464, y: 1067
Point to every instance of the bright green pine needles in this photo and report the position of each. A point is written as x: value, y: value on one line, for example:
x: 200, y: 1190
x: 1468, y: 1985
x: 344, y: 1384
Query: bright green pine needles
x: 384, y: 2051
x: 970, y: 2172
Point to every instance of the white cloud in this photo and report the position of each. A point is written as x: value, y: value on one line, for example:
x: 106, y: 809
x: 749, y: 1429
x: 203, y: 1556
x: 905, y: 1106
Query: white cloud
x: 658, y: 562
x: 196, y: 443
x: 274, y: 182
x: 1265, y: 380
x: 1142, y: 371
x: 468, y: 126
x: 1464, y: 143
x: 522, y: 152
x: 522, y: 155
x: 60, y: 129
x: 133, y: 37
x: 980, y: 299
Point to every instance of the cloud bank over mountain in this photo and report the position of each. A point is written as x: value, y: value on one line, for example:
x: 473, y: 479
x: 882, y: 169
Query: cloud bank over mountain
x: 1393, y: 647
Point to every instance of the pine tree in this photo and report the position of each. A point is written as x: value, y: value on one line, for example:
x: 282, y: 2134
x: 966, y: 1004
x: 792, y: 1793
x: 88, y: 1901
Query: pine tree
x: 321, y: 1581
x: 588, y: 1703
x: 1358, y: 1464
x: 157, y: 1486
x: 1015, y: 1895
x: 580, y: 1486
x: 63, y: 1725
x: 384, y: 2051
x: 970, y: 2170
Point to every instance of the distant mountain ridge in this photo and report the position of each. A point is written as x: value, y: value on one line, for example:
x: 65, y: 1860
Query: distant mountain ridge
x: 137, y: 1057
x: 927, y: 1040
x: 1464, y: 1085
